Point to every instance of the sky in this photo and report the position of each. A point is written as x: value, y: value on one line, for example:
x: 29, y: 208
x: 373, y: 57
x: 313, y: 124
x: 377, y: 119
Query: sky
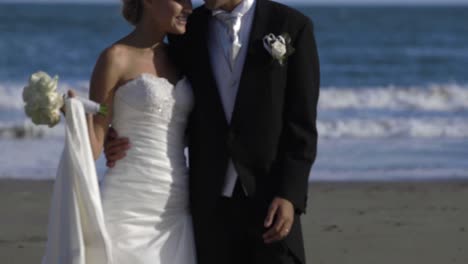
x: 376, y: 2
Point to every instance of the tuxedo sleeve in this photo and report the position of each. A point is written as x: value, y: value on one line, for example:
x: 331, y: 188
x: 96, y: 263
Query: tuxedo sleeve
x: 299, y: 135
x: 178, y: 51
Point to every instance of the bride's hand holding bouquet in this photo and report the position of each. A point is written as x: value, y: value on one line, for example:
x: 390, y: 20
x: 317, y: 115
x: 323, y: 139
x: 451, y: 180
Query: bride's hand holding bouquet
x: 43, y: 103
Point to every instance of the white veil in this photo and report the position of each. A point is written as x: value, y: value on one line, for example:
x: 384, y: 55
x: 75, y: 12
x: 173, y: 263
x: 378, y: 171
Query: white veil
x: 76, y: 230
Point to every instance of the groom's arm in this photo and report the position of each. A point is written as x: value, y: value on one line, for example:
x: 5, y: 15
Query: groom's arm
x: 299, y: 137
x: 115, y: 147
x: 298, y: 143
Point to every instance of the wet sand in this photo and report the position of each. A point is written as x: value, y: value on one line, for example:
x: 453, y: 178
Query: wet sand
x: 355, y: 223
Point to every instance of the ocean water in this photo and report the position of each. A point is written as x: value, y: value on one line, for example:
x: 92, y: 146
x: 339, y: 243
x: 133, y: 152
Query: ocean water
x: 393, y: 102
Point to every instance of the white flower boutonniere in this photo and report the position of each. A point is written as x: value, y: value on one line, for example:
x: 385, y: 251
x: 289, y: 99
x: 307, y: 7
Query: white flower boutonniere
x: 279, y: 47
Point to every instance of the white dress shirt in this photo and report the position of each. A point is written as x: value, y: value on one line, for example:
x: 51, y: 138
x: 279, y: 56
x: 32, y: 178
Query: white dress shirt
x: 228, y: 80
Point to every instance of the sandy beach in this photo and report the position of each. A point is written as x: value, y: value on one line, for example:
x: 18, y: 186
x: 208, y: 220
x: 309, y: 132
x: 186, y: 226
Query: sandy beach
x: 356, y: 223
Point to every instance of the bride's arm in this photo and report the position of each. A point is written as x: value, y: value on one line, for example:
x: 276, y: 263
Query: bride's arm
x: 104, y: 80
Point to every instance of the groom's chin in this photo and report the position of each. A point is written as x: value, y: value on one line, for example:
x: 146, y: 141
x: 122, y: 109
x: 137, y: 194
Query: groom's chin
x: 210, y: 4
x: 178, y: 30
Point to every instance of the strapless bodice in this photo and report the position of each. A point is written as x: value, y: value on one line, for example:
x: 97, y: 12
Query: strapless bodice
x: 145, y: 196
x: 153, y: 113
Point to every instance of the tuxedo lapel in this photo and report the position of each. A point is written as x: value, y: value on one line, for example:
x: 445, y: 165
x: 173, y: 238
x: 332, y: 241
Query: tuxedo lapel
x: 255, y: 49
x: 209, y: 89
x: 259, y: 25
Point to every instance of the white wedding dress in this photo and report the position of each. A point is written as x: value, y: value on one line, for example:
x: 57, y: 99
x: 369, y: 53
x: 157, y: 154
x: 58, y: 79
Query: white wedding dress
x: 140, y: 215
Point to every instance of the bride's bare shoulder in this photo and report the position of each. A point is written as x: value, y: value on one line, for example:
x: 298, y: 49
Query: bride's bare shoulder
x: 115, y: 56
x: 113, y: 62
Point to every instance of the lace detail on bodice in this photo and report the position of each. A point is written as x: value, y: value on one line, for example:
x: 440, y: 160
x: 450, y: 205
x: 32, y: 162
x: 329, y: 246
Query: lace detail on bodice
x: 153, y: 114
x: 155, y: 95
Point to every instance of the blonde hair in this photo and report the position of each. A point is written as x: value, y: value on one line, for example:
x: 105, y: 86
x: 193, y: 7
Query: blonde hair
x: 132, y: 10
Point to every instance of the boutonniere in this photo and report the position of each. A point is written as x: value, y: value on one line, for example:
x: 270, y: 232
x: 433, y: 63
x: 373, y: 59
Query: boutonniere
x: 279, y: 47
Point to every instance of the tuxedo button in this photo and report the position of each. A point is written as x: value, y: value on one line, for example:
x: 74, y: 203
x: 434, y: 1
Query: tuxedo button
x: 235, y: 132
x: 231, y: 138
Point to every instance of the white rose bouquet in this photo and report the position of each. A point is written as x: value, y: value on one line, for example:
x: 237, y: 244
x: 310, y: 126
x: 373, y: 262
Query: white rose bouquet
x: 43, y: 102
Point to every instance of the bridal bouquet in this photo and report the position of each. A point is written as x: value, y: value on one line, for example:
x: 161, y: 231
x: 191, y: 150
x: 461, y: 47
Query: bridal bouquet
x: 43, y: 102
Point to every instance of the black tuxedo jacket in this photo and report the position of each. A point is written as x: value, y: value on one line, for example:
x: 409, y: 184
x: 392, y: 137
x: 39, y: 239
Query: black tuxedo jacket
x: 272, y: 136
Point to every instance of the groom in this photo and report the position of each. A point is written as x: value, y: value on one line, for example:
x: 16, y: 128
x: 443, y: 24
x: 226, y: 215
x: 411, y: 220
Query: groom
x: 252, y: 133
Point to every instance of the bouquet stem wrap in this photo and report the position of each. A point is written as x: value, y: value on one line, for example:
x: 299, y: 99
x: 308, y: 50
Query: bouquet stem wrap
x: 89, y: 106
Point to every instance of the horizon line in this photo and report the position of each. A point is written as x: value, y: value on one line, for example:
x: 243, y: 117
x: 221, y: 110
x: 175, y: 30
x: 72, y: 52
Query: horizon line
x: 301, y: 2
x: 297, y: 2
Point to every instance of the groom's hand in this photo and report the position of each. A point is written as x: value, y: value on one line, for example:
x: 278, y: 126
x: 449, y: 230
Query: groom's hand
x: 115, y: 148
x: 279, y: 220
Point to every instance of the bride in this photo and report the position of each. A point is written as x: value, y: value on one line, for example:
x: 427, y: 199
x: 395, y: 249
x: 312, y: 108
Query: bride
x: 145, y: 196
